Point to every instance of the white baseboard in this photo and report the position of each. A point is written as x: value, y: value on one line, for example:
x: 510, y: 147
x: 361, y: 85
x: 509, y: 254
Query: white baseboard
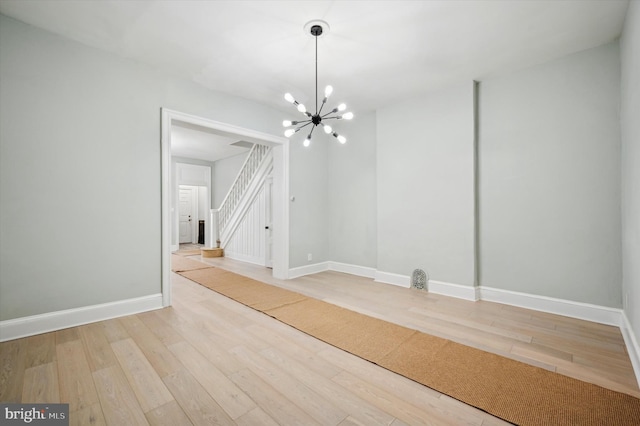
x: 174, y: 247
x: 301, y: 271
x: 585, y: 311
x: 245, y: 258
x: 438, y: 287
x: 395, y: 279
x: 459, y: 291
x: 361, y: 271
x: 633, y: 349
x: 43, y: 323
x: 568, y: 308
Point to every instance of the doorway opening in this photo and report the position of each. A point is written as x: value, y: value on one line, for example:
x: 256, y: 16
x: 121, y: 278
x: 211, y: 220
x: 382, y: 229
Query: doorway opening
x: 193, y: 210
x: 279, y: 209
x: 190, y: 204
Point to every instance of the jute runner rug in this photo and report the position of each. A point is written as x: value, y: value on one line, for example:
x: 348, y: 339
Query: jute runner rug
x: 514, y: 391
x: 181, y: 263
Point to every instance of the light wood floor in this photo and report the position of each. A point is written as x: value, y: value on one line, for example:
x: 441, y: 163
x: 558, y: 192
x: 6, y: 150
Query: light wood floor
x: 190, y: 246
x: 209, y: 360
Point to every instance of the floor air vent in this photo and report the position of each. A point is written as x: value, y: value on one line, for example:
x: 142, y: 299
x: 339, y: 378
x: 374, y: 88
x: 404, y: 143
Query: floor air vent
x: 419, y: 279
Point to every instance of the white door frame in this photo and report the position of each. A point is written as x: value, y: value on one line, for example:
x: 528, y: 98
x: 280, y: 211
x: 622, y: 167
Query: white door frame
x: 280, y: 151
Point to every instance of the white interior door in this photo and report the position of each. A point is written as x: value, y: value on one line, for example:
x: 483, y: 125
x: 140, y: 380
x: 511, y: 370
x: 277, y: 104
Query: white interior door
x: 187, y: 200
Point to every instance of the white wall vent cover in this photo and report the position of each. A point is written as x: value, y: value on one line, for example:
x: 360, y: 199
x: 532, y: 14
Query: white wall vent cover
x: 419, y: 279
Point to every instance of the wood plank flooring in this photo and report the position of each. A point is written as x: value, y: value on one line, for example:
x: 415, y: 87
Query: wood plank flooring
x: 209, y: 360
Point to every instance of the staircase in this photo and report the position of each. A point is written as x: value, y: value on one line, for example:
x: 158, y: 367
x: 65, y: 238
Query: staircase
x: 246, y: 187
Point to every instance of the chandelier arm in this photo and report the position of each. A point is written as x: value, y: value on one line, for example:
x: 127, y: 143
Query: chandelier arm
x: 331, y: 118
x: 324, y: 101
x: 311, y: 132
x: 304, y: 125
x: 333, y: 111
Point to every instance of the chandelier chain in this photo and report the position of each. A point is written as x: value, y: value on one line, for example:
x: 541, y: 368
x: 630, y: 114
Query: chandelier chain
x: 316, y: 74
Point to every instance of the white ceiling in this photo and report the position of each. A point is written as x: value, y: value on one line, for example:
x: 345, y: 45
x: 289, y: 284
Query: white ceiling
x: 191, y: 141
x: 375, y: 53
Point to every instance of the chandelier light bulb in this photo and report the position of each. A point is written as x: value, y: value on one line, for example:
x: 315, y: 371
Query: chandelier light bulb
x: 327, y: 129
x: 347, y: 116
x: 306, y: 142
x: 302, y: 108
x: 289, y: 132
x: 341, y: 139
x: 328, y: 91
x: 289, y: 98
x: 342, y: 107
x: 286, y: 123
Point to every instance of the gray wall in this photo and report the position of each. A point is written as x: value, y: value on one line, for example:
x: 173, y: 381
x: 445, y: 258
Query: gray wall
x: 630, y: 89
x: 549, y: 182
x: 334, y: 211
x: 310, y: 210
x: 80, y: 169
x: 224, y: 172
x: 425, y: 186
x: 352, y: 193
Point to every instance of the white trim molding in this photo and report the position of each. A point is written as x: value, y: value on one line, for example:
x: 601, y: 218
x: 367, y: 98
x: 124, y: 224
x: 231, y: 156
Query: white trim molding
x: 314, y: 268
x: 466, y: 292
x: 633, y: 349
x: 391, y: 278
x: 361, y: 271
x: 568, y: 308
x: 244, y: 258
x: 43, y: 323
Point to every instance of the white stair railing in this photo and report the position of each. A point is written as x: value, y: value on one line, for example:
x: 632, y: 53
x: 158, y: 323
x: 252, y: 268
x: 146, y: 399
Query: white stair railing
x: 244, y: 178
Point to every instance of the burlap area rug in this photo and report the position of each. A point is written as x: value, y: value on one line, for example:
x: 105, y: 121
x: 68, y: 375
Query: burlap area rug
x: 514, y: 391
x: 181, y: 264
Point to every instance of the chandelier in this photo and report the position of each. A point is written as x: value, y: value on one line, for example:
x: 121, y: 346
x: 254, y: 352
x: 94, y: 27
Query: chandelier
x: 316, y: 28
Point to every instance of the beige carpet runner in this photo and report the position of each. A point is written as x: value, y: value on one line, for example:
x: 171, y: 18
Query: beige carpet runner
x: 512, y: 390
x: 181, y: 264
